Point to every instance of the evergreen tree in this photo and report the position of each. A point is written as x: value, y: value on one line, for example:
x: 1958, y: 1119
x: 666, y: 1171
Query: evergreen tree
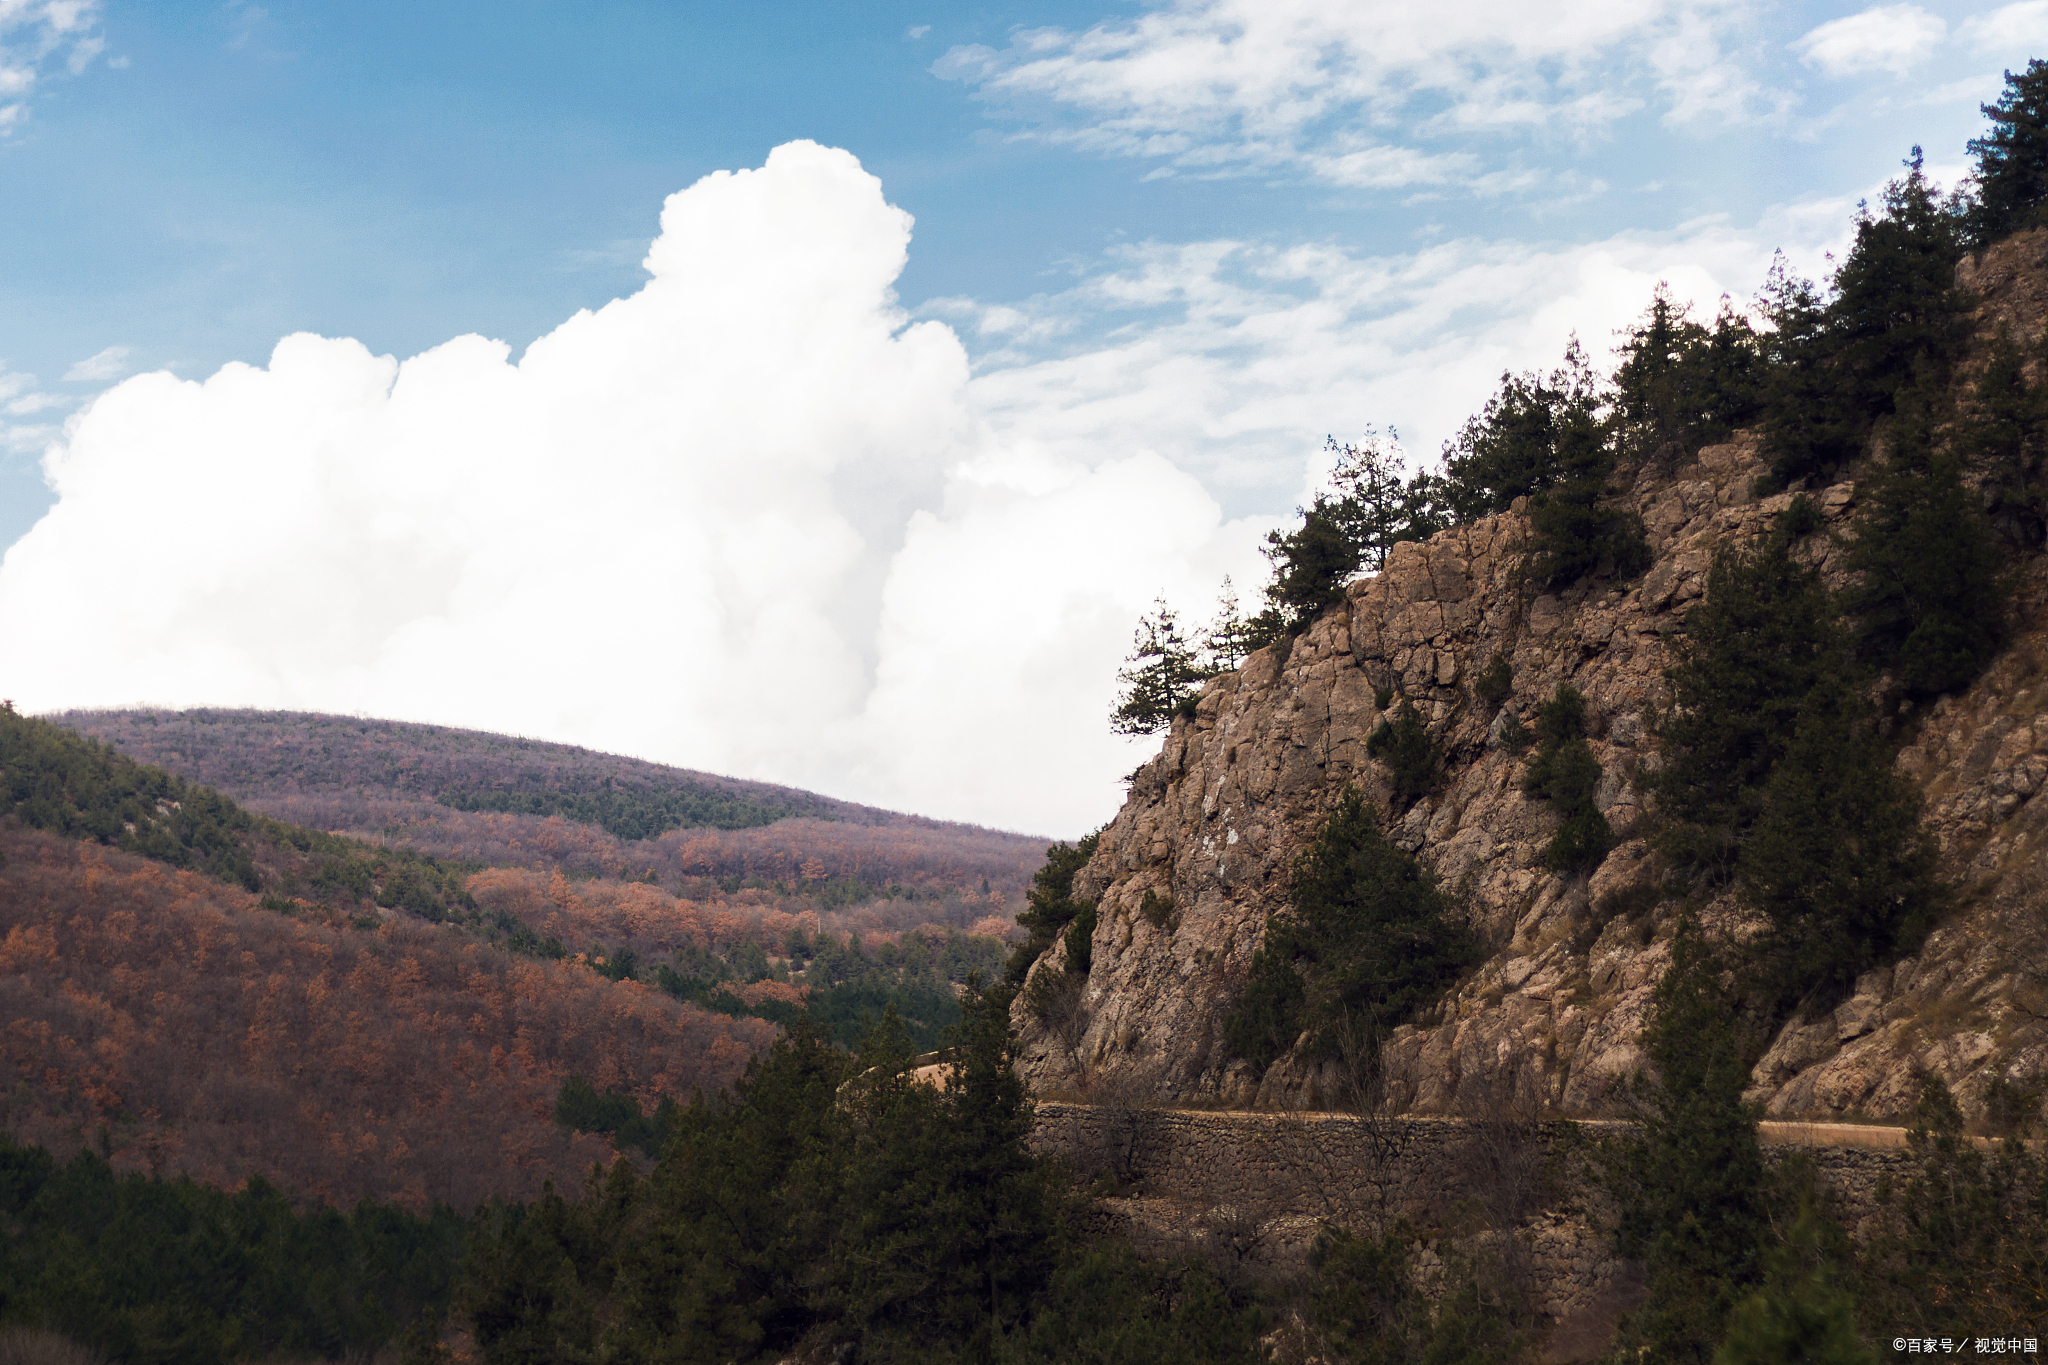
x: 1836, y: 862
x: 1374, y: 508
x: 1229, y: 639
x: 1680, y: 386
x: 1311, y: 564
x: 1776, y: 776
x: 2012, y: 158
x: 1565, y: 773
x: 1525, y: 440
x: 1810, y: 425
x: 1968, y: 1230
x: 1898, y: 317
x: 1801, y: 1314
x: 1548, y: 439
x: 1050, y: 906
x: 1369, y: 939
x: 1108, y: 1307
x: 1692, y: 1184
x: 1413, y: 758
x: 2003, y: 436
x: 1929, y: 601
x: 1752, y: 652
x: 1160, y: 679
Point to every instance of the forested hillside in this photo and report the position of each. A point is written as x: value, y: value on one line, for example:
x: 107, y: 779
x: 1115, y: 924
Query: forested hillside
x: 195, y: 987
x: 510, y: 802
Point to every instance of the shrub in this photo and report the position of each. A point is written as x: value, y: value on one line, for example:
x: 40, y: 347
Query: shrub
x: 1412, y: 757
x: 1496, y: 683
x: 1564, y: 772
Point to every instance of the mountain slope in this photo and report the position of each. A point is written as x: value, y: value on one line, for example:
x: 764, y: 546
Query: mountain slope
x: 519, y: 802
x: 1214, y: 823
x: 194, y: 987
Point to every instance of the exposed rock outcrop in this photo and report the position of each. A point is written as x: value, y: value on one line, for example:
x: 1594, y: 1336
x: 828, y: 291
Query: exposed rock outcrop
x: 1213, y: 823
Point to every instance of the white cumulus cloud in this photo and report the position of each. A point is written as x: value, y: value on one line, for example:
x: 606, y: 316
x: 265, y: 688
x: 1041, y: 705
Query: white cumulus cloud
x: 758, y: 519
x: 746, y: 519
x: 1884, y: 38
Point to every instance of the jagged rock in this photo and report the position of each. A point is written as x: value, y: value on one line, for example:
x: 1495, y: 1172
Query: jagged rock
x: 1240, y: 789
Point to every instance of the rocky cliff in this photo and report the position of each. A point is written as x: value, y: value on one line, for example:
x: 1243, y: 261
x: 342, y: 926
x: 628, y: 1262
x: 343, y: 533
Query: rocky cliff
x: 1213, y: 823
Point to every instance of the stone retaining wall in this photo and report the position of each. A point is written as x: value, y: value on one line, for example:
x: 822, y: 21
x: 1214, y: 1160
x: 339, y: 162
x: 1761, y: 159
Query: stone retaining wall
x: 1256, y: 1187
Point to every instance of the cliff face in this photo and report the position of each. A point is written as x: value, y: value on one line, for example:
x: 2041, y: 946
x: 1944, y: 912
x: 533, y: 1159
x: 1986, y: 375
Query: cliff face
x: 1215, y: 820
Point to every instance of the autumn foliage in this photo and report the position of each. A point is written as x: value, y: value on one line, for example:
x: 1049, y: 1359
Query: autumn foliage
x: 165, y: 1018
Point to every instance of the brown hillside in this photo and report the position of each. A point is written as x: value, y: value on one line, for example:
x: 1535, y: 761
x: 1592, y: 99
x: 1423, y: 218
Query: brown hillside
x: 166, y: 1018
x: 379, y: 780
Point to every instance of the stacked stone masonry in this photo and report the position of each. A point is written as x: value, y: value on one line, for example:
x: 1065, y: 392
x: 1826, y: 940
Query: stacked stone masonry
x: 1266, y: 1184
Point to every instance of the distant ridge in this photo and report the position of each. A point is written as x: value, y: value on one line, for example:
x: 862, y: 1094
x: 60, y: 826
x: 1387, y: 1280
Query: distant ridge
x: 251, y: 753
x: 500, y: 800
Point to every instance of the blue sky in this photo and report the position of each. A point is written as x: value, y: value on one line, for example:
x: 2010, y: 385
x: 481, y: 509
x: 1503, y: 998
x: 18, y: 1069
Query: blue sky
x: 1197, y: 234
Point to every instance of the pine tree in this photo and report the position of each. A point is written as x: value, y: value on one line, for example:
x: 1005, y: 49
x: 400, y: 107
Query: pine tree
x: 1369, y: 938
x: 1565, y: 773
x: 1159, y: 680
x: 1776, y: 777
x: 1050, y: 905
x: 2003, y: 436
x: 1898, y: 318
x: 1311, y: 564
x: 1836, y: 862
x: 1680, y: 386
x: 1692, y: 1185
x: 1929, y: 602
x: 1752, y: 652
x: 2012, y: 158
x: 1229, y: 639
x: 1413, y: 758
x: 1801, y: 1314
x: 1811, y: 427
x: 1373, y: 507
x: 1526, y: 440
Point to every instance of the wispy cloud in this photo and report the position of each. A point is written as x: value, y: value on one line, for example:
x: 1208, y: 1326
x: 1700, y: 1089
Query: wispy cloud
x: 34, y: 35
x: 1890, y: 38
x: 1338, y: 94
x: 2019, y: 26
x: 111, y: 363
x: 1234, y: 356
